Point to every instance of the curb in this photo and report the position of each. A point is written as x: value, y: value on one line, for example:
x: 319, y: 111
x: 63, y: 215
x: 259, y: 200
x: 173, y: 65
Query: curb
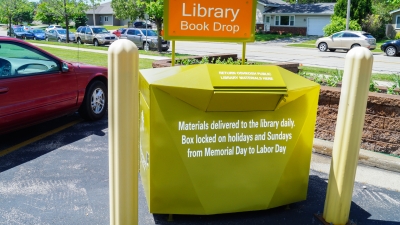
x: 366, y: 157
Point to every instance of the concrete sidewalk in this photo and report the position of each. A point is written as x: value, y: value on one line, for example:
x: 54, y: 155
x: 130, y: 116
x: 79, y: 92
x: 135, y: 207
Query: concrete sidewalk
x: 366, y: 157
x: 97, y: 51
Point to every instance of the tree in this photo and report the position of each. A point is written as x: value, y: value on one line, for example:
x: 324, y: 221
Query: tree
x: 155, y: 10
x: 359, y: 9
x: 66, y: 9
x: 124, y: 9
x: 338, y: 24
x: 44, y: 14
x: 94, y: 4
x: 10, y: 8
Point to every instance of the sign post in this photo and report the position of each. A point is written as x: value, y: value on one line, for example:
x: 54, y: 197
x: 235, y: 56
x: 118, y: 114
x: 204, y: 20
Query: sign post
x: 210, y: 20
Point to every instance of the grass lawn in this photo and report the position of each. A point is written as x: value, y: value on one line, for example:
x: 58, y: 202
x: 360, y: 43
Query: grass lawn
x: 270, y: 37
x: 105, y: 48
x: 98, y: 59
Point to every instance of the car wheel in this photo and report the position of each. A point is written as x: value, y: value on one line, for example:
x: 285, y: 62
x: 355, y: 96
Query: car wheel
x: 95, y: 101
x: 47, y: 39
x: 59, y: 40
x: 355, y: 45
x: 323, y: 47
x: 332, y: 49
x: 146, y: 46
x: 34, y: 38
x: 96, y: 42
x: 79, y: 41
x: 390, y: 51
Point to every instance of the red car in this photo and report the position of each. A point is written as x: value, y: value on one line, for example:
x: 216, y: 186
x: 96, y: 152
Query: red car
x: 36, y: 86
x: 119, y: 32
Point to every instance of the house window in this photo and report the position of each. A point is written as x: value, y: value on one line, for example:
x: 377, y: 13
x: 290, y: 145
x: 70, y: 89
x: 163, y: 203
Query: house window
x: 397, y: 22
x: 284, y: 20
x: 106, y: 18
x: 100, y: 18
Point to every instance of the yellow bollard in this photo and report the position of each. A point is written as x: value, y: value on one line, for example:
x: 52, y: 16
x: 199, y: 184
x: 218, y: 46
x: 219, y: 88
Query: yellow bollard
x: 123, y: 123
x: 348, y: 132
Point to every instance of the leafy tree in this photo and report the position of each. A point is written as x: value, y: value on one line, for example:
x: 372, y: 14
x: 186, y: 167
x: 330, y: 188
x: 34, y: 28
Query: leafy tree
x: 359, y: 9
x: 10, y: 8
x: 155, y: 10
x: 66, y: 9
x: 80, y: 20
x: 124, y: 9
x: 338, y: 24
x: 25, y: 13
x: 45, y: 14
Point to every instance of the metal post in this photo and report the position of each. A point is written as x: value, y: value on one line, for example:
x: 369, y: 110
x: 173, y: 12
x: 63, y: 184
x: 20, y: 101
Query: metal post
x: 123, y: 123
x: 348, y: 14
x: 173, y: 53
x: 244, y: 53
x: 348, y: 132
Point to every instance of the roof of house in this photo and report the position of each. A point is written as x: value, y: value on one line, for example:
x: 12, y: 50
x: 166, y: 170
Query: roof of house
x: 104, y: 8
x: 394, y: 11
x: 320, y: 8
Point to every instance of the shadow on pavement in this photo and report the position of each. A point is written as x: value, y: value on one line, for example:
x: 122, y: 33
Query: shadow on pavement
x: 301, y: 213
x: 48, y: 144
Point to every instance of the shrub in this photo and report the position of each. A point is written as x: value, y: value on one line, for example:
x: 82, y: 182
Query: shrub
x: 338, y: 24
x: 375, y: 25
x: 397, y: 36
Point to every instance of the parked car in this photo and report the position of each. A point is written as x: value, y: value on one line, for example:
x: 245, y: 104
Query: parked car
x: 19, y: 32
x: 391, y: 48
x: 26, y: 28
x: 38, y: 34
x: 345, y: 40
x: 144, y: 39
x: 118, y: 32
x: 142, y: 24
x: 36, y: 86
x: 95, y: 35
x: 53, y: 27
x: 59, y: 35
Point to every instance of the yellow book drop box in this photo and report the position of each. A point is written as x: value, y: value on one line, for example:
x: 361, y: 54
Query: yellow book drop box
x: 225, y: 138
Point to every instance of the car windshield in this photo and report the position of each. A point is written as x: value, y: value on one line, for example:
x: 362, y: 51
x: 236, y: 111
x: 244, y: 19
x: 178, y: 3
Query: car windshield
x: 149, y: 33
x: 38, y: 31
x: 18, y: 30
x: 61, y: 31
x: 100, y: 30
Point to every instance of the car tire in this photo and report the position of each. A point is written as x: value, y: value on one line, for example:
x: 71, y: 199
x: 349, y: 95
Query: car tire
x: 332, y: 49
x: 34, y: 38
x: 95, y: 42
x: 391, y: 51
x: 94, y: 103
x: 355, y: 45
x: 322, y: 47
x: 146, y: 46
x: 59, y: 40
x: 79, y: 41
x: 47, y: 39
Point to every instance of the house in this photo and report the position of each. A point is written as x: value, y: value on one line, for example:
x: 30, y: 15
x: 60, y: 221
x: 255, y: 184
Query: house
x: 304, y: 19
x: 393, y: 28
x: 271, y: 15
x: 104, y: 16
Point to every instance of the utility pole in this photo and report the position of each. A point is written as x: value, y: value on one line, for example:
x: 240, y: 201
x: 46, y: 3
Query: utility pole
x: 348, y: 15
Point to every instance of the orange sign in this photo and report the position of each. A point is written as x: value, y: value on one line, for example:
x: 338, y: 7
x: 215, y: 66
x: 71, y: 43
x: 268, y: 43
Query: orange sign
x: 209, y: 19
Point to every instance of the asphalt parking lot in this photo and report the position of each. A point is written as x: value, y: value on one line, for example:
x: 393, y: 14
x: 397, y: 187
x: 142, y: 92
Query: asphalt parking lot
x: 60, y: 176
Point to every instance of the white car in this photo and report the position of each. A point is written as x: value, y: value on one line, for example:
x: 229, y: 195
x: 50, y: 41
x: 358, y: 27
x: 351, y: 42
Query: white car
x: 346, y: 40
x: 51, y: 27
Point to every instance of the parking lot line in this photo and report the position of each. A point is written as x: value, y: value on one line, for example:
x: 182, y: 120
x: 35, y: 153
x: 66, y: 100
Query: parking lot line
x: 41, y: 136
